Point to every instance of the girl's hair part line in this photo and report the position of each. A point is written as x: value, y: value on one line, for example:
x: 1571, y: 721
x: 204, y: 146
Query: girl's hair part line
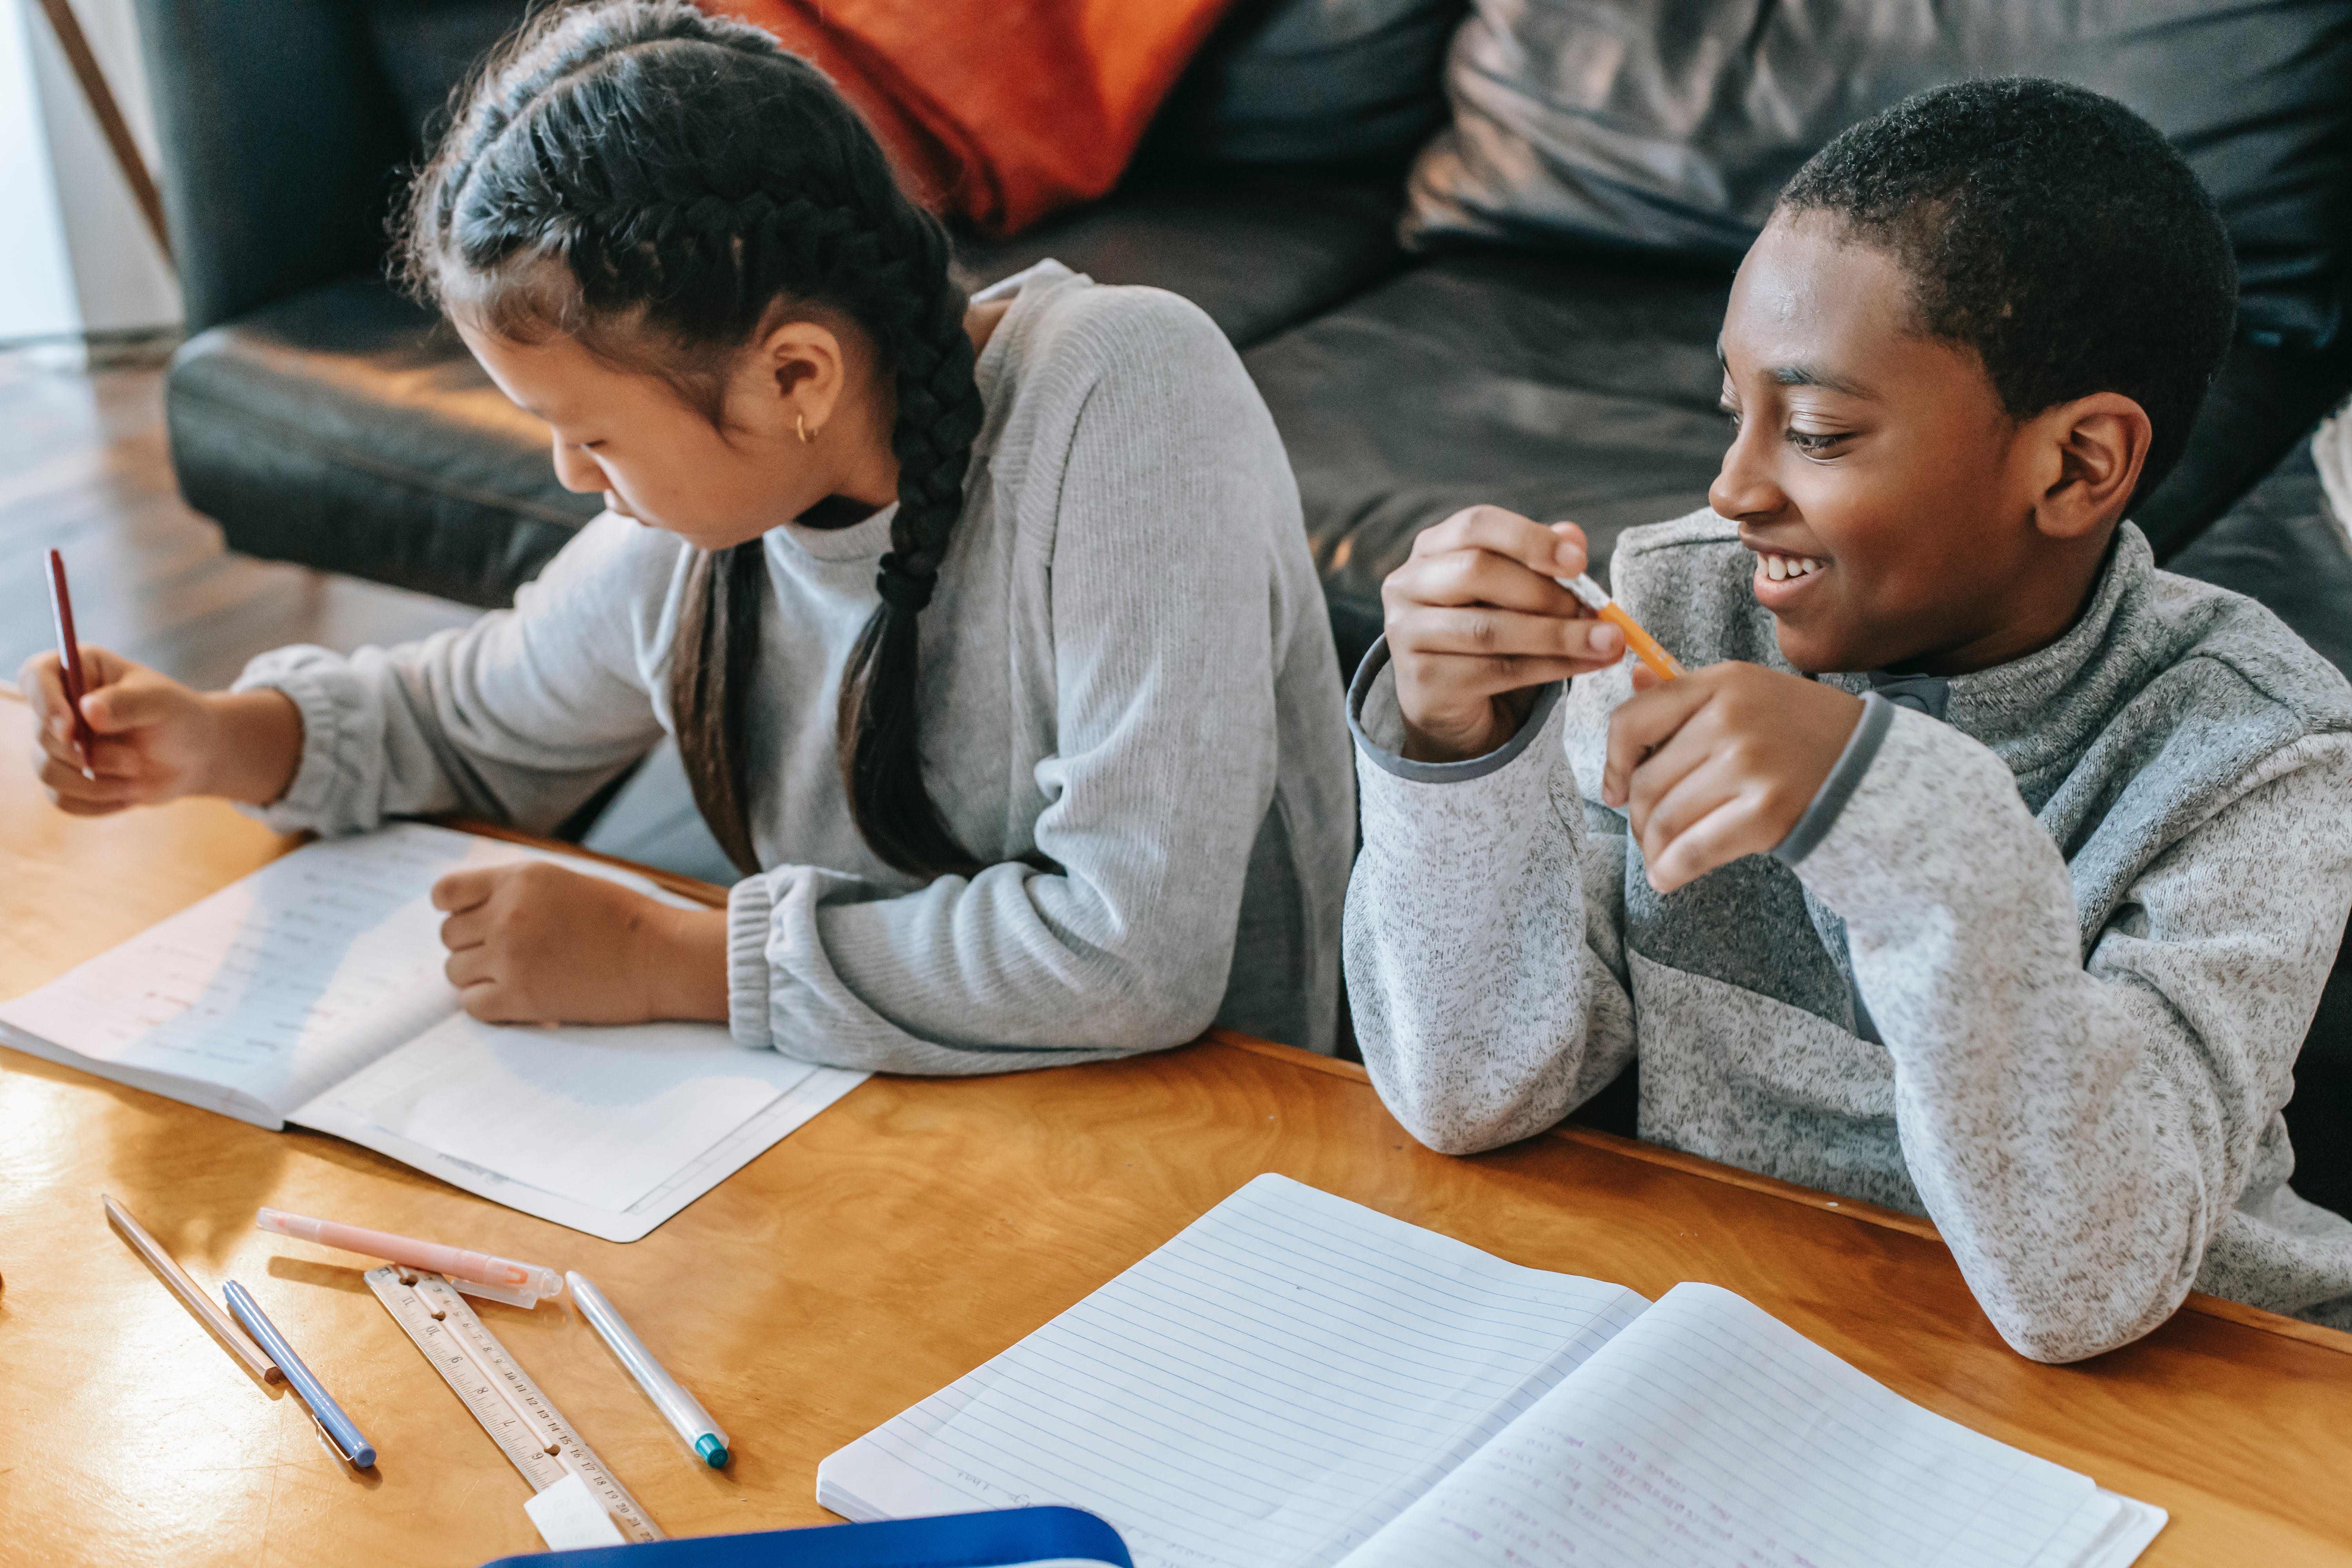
x: 650, y: 180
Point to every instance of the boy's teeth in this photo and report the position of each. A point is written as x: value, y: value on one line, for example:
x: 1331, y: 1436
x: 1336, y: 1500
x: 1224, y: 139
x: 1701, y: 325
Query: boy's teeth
x: 1775, y: 568
x: 1779, y: 568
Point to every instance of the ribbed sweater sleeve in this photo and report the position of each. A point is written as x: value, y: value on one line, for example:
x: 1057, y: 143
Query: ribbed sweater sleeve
x: 518, y: 718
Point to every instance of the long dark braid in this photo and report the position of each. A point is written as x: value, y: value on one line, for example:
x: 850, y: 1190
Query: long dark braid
x: 653, y: 180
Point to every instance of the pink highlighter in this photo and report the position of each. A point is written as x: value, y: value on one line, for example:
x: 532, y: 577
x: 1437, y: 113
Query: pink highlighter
x: 475, y: 1273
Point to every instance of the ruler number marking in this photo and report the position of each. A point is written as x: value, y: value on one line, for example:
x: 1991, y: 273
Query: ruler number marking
x: 507, y: 1405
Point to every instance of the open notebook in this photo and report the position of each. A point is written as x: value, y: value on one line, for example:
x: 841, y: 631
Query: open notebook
x: 1295, y: 1380
x: 311, y: 992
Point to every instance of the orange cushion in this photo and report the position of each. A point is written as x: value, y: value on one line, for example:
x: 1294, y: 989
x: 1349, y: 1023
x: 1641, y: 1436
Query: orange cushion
x: 997, y: 110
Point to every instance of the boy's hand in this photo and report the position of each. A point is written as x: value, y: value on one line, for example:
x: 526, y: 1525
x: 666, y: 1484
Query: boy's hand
x: 534, y: 943
x: 154, y: 739
x: 1720, y: 764
x: 1475, y: 620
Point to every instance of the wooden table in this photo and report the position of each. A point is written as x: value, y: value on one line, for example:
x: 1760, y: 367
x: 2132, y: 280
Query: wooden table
x: 896, y: 1242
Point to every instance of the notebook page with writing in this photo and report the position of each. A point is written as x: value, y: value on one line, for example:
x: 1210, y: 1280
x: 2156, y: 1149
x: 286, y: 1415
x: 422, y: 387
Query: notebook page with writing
x: 257, y: 997
x: 1264, y: 1391
x: 1710, y: 1434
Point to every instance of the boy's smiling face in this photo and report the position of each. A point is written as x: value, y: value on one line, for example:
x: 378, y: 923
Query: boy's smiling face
x: 1875, y: 468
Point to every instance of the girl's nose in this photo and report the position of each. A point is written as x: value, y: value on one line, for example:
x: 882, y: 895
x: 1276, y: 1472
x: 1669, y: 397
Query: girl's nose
x: 575, y: 471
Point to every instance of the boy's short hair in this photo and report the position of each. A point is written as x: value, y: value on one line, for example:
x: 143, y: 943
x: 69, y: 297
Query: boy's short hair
x: 2051, y: 230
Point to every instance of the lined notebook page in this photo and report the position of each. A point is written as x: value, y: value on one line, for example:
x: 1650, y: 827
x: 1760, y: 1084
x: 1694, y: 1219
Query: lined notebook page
x: 283, y: 983
x: 1710, y: 1434
x: 1266, y: 1389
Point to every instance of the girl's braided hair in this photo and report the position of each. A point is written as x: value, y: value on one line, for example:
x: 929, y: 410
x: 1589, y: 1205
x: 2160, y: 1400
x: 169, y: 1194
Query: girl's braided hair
x: 653, y: 182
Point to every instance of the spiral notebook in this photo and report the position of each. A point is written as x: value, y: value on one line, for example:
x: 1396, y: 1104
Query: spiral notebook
x: 1297, y: 1380
x: 311, y: 992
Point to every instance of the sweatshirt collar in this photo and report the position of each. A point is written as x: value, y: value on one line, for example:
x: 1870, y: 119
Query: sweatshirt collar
x: 2041, y: 711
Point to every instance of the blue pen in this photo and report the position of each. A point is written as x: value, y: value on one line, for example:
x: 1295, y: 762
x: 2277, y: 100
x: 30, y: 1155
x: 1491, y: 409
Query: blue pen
x: 339, y: 1428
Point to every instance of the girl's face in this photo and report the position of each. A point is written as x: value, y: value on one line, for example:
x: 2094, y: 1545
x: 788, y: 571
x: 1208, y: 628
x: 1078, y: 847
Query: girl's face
x: 663, y: 462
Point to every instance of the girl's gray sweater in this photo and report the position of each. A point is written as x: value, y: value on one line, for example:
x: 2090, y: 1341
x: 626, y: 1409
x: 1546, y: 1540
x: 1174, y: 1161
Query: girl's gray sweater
x: 2036, y: 965
x: 1127, y: 669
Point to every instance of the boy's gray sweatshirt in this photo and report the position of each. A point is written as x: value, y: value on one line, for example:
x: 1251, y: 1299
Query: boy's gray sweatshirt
x: 1128, y: 670
x: 2086, y: 899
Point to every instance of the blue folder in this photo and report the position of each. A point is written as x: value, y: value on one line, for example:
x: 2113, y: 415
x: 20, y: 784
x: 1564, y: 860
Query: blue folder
x: 1004, y: 1538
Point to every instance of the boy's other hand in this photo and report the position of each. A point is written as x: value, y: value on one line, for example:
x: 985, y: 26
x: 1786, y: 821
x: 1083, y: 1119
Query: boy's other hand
x: 153, y: 739
x: 535, y: 943
x: 1720, y: 764
x: 1476, y: 622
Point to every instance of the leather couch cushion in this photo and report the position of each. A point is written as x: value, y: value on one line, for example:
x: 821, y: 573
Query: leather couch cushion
x: 1559, y: 390
x: 1320, y: 82
x: 2261, y: 399
x: 2283, y: 545
x: 1633, y: 123
x: 1257, y: 252
x: 345, y: 428
x: 426, y: 47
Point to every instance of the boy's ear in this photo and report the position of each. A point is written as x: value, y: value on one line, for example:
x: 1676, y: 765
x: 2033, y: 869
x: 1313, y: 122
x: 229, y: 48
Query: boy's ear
x: 2090, y: 453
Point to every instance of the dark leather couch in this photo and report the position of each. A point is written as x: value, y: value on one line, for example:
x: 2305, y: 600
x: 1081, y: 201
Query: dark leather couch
x: 321, y: 419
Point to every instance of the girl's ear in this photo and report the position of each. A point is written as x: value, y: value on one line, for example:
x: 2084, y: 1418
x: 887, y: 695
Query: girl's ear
x: 801, y: 374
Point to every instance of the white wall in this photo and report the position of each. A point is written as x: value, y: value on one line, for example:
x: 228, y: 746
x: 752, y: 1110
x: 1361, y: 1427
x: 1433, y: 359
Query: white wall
x: 36, y: 290
x: 117, y: 278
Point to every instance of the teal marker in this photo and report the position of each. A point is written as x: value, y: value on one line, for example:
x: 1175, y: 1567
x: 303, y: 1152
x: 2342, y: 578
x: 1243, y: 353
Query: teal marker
x: 686, y: 1417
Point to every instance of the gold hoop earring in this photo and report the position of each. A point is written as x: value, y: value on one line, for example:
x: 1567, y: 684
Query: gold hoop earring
x: 800, y: 423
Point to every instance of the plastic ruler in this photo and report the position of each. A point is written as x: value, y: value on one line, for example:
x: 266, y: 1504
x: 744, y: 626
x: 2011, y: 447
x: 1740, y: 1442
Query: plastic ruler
x: 527, y: 1428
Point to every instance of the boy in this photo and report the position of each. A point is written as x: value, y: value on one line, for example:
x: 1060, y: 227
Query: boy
x: 1984, y: 871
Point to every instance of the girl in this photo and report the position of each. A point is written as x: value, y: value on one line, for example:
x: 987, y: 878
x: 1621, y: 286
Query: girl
x: 987, y: 630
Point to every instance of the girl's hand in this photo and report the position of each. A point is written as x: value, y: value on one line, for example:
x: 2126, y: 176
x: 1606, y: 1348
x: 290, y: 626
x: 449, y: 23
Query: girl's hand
x: 155, y: 739
x: 1474, y: 622
x: 1720, y: 762
x: 535, y: 943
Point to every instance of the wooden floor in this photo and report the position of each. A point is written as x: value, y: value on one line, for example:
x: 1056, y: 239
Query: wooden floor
x: 85, y: 469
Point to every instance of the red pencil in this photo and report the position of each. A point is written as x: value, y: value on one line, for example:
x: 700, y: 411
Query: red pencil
x: 69, y: 653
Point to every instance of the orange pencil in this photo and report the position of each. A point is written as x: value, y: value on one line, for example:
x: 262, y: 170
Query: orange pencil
x: 1645, y: 647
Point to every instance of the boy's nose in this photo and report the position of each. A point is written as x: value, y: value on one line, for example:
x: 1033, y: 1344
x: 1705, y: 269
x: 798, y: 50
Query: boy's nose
x: 1744, y: 489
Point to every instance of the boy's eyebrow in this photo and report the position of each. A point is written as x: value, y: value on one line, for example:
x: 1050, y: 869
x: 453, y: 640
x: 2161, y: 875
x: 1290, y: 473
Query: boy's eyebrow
x: 1802, y: 374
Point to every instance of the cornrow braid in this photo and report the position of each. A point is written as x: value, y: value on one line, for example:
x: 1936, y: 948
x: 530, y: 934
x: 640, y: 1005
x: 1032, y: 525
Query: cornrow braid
x: 653, y: 180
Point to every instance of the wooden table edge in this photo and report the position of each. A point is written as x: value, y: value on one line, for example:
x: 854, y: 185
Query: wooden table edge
x: 2269, y: 1322
x: 715, y: 895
